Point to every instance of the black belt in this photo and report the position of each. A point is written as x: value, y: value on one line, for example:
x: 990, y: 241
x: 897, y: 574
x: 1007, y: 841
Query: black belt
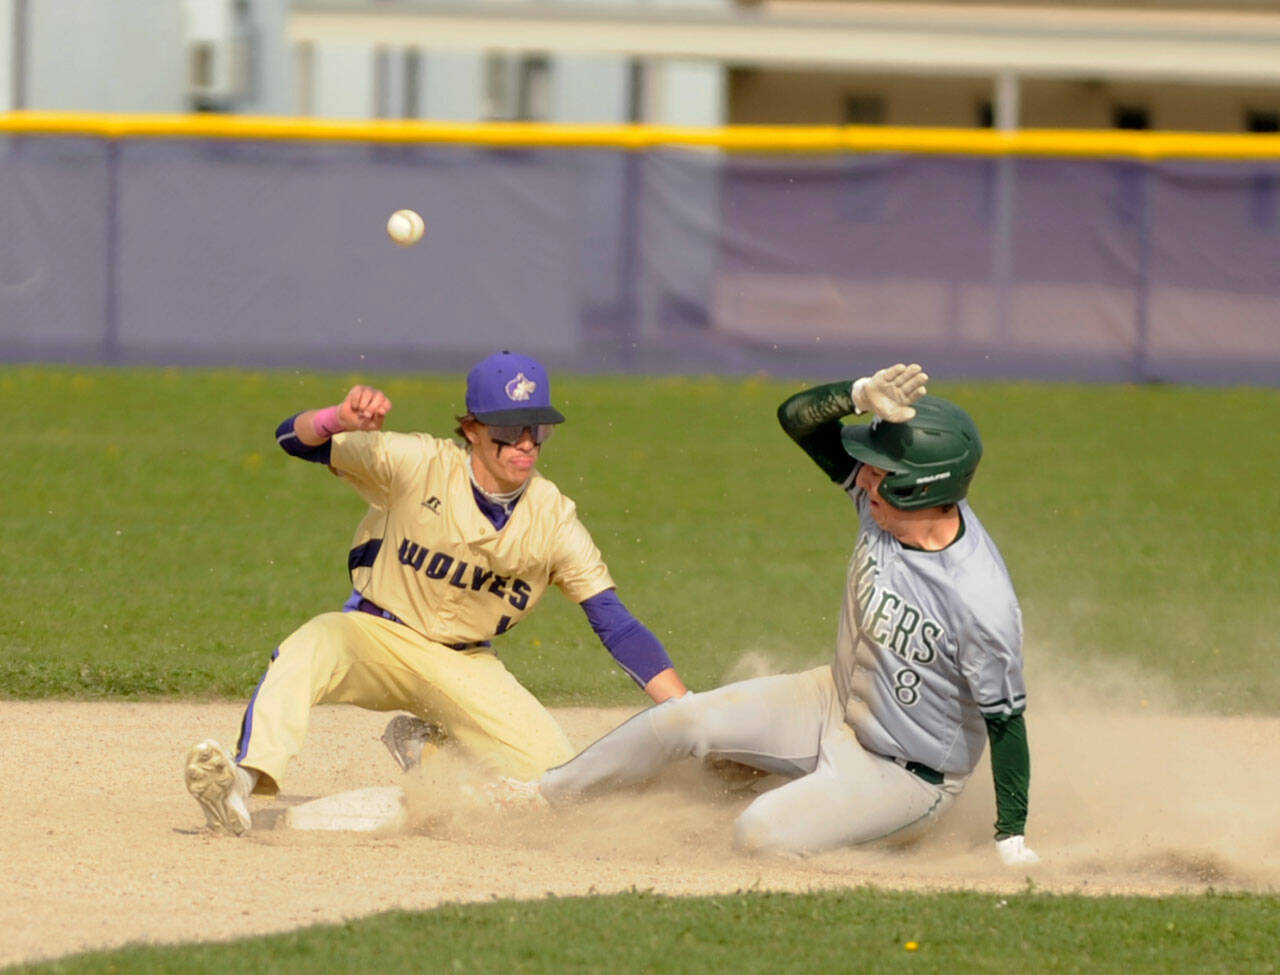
x: 373, y: 609
x: 930, y: 775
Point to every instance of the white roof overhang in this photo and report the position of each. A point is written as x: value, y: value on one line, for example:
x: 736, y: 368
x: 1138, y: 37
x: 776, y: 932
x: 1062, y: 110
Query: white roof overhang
x: 1085, y: 43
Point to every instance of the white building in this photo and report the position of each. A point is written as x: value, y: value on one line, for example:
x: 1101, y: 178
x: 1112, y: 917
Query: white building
x: 1206, y: 65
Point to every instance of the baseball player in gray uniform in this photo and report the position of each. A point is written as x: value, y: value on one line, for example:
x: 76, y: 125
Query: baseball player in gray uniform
x: 928, y: 661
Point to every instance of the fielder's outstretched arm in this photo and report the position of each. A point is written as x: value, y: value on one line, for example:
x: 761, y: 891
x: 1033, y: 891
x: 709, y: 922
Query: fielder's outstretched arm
x: 633, y: 645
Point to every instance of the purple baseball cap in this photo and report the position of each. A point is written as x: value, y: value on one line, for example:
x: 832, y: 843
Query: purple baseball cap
x: 508, y: 389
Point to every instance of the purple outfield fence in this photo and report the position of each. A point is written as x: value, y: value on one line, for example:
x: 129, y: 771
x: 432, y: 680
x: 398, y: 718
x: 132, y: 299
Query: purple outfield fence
x: 273, y: 253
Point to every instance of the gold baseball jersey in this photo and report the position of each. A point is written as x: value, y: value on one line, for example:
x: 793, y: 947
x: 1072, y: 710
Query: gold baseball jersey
x: 426, y: 553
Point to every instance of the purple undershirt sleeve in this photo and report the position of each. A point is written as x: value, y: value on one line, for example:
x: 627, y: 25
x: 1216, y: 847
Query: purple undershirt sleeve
x: 290, y: 444
x: 630, y: 642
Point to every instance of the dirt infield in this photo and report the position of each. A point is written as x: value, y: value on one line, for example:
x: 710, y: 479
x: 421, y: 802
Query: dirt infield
x: 103, y: 846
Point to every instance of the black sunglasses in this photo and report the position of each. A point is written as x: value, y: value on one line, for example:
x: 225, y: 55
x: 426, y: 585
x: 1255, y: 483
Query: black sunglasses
x: 510, y: 435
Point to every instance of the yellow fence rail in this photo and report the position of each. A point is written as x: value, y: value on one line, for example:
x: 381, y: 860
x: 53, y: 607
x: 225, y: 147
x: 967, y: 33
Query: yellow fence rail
x: 739, y: 138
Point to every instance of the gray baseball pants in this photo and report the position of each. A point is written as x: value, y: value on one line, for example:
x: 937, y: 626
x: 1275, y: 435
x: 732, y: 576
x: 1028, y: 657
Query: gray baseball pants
x: 790, y: 724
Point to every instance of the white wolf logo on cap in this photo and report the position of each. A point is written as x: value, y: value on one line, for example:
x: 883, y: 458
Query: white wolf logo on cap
x: 520, y: 388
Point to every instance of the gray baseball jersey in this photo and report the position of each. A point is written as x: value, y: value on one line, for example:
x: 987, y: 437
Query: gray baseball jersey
x: 929, y: 642
x: 878, y: 743
x: 884, y: 739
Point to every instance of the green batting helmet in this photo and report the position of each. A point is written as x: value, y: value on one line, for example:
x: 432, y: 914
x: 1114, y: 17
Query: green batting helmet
x: 930, y: 459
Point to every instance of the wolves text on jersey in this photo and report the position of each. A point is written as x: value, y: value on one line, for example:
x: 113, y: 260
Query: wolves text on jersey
x: 463, y: 575
x: 888, y: 620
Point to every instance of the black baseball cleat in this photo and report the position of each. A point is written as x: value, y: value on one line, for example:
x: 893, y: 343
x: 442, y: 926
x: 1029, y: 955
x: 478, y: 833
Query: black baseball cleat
x: 407, y: 737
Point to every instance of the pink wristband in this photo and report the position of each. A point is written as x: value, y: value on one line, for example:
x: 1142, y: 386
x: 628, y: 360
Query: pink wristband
x: 326, y: 421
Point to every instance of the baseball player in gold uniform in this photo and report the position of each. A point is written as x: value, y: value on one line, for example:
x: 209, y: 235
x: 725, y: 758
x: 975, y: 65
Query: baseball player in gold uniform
x: 459, y: 543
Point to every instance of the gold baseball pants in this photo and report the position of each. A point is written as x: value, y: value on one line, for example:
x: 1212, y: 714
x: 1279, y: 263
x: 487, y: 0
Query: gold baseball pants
x: 365, y: 660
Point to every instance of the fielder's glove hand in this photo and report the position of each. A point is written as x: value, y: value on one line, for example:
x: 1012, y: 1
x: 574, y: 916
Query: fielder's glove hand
x: 1014, y: 851
x: 890, y: 392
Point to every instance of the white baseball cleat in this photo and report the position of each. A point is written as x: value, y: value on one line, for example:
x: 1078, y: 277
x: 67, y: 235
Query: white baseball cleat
x: 1014, y: 852
x: 508, y: 793
x: 220, y: 786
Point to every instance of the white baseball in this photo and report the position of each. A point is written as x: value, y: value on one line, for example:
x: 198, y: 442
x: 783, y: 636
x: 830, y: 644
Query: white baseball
x: 405, y: 227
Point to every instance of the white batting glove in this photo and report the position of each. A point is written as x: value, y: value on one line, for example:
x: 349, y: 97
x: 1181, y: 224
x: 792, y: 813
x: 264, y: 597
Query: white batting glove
x: 1014, y: 852
x: 890, y: 392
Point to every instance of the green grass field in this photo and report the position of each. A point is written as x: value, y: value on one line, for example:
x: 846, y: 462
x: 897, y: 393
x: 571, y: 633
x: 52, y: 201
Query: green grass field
x: 158, y: 544
x: 861, y: 930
